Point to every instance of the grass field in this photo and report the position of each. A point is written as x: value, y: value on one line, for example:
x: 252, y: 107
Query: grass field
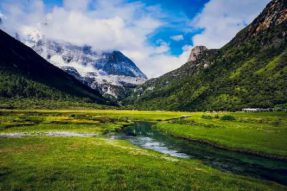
x: 262, y: 133
x: 40, y: 162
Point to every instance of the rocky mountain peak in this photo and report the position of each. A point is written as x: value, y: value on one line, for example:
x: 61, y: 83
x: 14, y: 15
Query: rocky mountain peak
x: 196, y: 52
x: 274, y: 14
x: 116, y: 63
x: 109, y: 72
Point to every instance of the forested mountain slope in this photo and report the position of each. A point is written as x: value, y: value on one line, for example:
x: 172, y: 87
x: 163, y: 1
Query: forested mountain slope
x: 250, y: 71
x: 25, y: 74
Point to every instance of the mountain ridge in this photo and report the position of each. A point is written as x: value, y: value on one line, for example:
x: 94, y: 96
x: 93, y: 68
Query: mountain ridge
x: 109, y: 72
x: 249, y: 71
x: 24, y: 74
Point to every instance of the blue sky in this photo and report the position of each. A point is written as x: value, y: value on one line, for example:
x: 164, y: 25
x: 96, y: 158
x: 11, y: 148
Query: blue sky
x: 157, y: 35
x: 178, y: 14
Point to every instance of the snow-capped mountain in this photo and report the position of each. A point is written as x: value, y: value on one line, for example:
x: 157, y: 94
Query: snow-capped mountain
x: 112, y: 73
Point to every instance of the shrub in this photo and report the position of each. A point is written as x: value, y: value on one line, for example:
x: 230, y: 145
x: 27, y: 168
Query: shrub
x: 227, y: 118
x: 206, y: 116
x: 276, y: 123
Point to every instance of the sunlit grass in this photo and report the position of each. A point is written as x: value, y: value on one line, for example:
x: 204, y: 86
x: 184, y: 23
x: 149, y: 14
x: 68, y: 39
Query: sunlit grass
x: 255, y: 132
x: 99, y: 163
x: 48, y: 163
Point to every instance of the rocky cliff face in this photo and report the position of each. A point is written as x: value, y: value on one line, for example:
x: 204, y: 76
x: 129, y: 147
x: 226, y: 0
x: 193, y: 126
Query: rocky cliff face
x: 196, y: 52
x: 111, y: 73
x: 274, y: 14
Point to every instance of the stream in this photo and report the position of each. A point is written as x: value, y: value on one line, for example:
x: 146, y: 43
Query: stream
x: 144, y: 135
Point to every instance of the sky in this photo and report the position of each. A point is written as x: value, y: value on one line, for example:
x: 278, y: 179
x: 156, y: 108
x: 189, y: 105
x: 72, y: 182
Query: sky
x: 157, y: 35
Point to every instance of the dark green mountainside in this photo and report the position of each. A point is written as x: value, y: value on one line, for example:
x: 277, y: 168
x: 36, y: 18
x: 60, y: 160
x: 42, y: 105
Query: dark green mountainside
x: 250, y: 71
x: 26, y: 75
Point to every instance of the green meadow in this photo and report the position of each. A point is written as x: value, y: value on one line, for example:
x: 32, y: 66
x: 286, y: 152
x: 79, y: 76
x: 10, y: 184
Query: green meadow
x: 40, y: 162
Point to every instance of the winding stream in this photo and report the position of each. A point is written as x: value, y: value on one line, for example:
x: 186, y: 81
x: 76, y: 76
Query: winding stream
x: 143, y: 135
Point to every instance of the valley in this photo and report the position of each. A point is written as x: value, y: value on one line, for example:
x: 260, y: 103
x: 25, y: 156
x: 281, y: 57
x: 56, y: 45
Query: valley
x: 78, y: 113
x: 79, y: 149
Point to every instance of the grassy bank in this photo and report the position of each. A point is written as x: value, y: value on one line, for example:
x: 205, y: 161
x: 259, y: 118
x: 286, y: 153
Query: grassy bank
x: 98, y: 163
x: 46, y: 163
x: 262, y: 133
x: 256, y: 132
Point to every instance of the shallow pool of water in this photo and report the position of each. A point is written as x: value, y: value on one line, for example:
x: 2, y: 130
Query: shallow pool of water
x: 49, y: 133
x: 144, y: 135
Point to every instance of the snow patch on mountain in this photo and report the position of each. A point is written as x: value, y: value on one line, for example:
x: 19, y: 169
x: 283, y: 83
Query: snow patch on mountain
x: 109, y: 72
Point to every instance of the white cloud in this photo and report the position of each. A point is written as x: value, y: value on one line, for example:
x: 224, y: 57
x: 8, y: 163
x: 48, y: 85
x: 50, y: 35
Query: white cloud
x: 76, y: 4
x: 121, y: 29
x: 118, y: 25
x: 177, y: 37
x: 222, y: 19
x: 153, y: 59
x: 19, y: 13
x: 110, y: 25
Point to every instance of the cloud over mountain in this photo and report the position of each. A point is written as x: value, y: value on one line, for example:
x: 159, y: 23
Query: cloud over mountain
x: 127, y: 26
x: 221, y: 20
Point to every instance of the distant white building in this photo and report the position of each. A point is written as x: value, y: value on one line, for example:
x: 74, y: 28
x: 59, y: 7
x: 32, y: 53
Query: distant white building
x: 257, y: 109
